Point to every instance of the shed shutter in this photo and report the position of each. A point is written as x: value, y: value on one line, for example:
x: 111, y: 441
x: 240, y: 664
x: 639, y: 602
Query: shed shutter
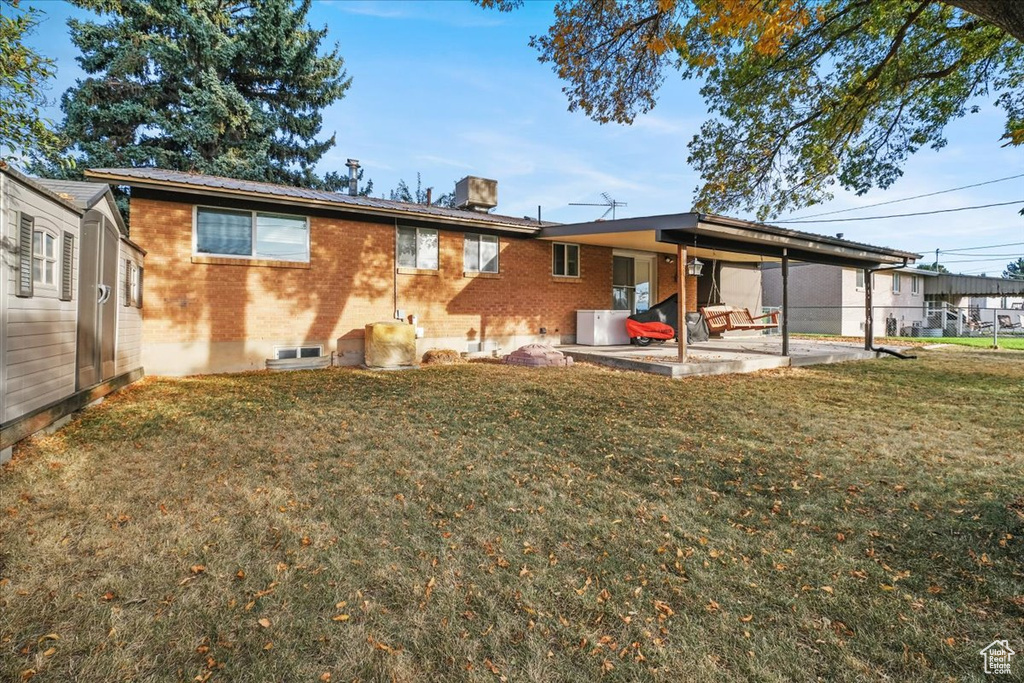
x: 139, y: 302
x: 67, y: 265
x: 127, y: 282
x: 26, y: 225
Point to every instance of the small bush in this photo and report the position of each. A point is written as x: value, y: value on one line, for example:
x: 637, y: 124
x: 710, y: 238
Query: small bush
x: 442, y: 357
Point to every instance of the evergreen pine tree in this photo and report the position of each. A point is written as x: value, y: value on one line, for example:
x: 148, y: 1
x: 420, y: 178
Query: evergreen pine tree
x: 225, y: 87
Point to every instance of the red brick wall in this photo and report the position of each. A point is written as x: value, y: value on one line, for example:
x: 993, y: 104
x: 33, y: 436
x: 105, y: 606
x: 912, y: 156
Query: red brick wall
x: 349, y: 282
x: 667, y: 284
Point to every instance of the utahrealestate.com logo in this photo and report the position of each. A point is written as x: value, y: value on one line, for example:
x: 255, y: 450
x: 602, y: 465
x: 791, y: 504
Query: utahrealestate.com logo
x: 997, y: 657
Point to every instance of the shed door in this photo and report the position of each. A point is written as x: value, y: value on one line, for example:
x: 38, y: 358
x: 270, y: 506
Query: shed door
x: 97, y: 300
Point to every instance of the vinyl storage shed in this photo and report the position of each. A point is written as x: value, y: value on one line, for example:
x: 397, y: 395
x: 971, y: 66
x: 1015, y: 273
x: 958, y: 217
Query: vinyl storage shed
x: 70, y: 301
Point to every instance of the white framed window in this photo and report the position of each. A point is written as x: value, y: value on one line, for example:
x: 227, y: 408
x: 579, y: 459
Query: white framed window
x: 286, y: 352
x: 480, y: 254
x: 133, y: 284
x: 251, y: 234
x: 44, y: 258
x: 565, y: 260
x: 915, y: 284
x: 860, y: 279
x: 417, y: 248
x: 895, y: 283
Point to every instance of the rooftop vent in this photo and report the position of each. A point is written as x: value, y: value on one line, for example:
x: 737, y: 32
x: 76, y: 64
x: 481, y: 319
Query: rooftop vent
x: 476, y: 194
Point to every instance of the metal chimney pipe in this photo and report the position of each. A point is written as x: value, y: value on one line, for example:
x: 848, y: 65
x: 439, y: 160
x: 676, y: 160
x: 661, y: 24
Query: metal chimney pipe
x: 353, y: 176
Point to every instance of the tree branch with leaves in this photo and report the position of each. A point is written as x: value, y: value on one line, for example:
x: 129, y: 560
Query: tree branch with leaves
x: 803, y: 96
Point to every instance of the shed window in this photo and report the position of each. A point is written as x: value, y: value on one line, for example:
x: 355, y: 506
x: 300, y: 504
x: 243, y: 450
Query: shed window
x: 252, y: 234
x: 417, y: 248
x: 44, y: 258
x: 565, y: 260
x: 481, y: 254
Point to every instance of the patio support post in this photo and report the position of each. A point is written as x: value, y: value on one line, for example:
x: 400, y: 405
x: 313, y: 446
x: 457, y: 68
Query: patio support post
x: 681, y: 292
x: 869, y: 314
x: 785, y: 302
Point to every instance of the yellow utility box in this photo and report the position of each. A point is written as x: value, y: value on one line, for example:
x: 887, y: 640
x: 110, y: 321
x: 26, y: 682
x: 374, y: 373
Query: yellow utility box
x: 390, y: 345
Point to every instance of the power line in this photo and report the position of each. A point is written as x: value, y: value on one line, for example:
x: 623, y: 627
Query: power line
x: 907, y: 199
x: 990, y: 246
x: 905, y: 215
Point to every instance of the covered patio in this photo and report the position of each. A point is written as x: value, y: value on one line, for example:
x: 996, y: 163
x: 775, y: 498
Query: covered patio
x: 688, y: 239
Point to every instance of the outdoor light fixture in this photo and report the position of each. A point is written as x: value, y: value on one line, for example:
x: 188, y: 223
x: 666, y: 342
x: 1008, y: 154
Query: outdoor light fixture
x: 695, y: 267
x: 669, y: 259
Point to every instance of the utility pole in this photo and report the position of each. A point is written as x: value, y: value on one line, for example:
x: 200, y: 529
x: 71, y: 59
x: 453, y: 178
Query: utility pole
x: 936, y: 260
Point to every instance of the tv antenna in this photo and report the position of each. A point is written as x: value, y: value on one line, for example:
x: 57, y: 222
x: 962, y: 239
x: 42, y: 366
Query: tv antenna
x: 612, y: 204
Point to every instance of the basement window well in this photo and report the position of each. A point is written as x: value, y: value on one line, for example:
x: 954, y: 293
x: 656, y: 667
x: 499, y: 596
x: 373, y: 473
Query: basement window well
x: 289, y: 352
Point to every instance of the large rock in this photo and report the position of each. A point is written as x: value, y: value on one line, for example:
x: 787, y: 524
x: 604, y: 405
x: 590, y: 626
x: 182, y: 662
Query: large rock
x: 538, y: 355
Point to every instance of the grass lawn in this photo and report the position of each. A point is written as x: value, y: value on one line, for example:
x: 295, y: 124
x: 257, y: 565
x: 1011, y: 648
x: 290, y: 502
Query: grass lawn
x: 1005, y: 341
x: 841, y: 523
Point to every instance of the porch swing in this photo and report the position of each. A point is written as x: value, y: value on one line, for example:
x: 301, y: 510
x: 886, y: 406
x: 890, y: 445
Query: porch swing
x: 721, y: 318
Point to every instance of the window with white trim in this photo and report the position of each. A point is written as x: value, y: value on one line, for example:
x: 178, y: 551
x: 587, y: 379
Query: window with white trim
x: 860, y: 279
x: 288, y: 352
x: 44, y: 258
x: 480, y: 253
x: 417, y: 248
x: 895, y: 283
x: 565, y: 260
x: 251, y: 234
x: 915, y: 284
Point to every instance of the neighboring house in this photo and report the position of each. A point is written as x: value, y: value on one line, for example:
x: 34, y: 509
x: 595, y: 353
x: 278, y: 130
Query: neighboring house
x: 240, y: 272
x: 70, y: 294
x: 830, y: 300
x: 907, y: 301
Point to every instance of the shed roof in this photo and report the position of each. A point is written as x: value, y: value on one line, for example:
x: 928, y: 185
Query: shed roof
x: 37, y: 185
x: 83, y: 194
x: 208, y: 185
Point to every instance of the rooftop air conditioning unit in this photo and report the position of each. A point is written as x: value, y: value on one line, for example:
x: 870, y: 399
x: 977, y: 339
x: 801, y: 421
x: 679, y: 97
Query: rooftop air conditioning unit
x: 476, y: 194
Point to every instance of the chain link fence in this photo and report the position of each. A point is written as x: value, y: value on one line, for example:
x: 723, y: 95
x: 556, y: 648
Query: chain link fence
x: 933, y: 319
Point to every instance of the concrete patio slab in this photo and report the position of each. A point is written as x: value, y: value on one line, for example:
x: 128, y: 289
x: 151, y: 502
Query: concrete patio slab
x: 718, y: 356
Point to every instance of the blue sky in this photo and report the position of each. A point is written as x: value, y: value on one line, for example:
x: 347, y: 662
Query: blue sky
x: 448, y: 89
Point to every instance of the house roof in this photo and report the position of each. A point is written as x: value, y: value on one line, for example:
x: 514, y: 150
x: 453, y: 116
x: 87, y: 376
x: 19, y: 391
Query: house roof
x: 37, y: 185
x: 719, y: 235
x: 208, y: 185
x: 973, y: 285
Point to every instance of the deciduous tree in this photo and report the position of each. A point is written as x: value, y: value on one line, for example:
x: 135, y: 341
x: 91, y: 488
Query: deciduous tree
x: 24, y: 131
x: 803, y: 94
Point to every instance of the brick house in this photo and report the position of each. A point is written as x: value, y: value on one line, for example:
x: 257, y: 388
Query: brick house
x: 240, y: 272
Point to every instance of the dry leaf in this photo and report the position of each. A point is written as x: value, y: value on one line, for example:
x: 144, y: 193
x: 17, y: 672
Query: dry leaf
x: 240, y: 574
x: 198, y: 568
x: 50, y: 652
x: 268, y: 646
x: 264, y: 622
x: 747, y: 619
x: 341, y: 617
x: 325, y: 676
x: 341, y: 604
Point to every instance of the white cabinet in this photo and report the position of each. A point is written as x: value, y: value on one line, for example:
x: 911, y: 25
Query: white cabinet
x: 601, y: 328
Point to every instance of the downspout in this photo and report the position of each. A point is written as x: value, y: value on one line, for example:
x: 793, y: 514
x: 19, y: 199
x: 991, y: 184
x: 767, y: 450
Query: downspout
x: 869, y: 323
